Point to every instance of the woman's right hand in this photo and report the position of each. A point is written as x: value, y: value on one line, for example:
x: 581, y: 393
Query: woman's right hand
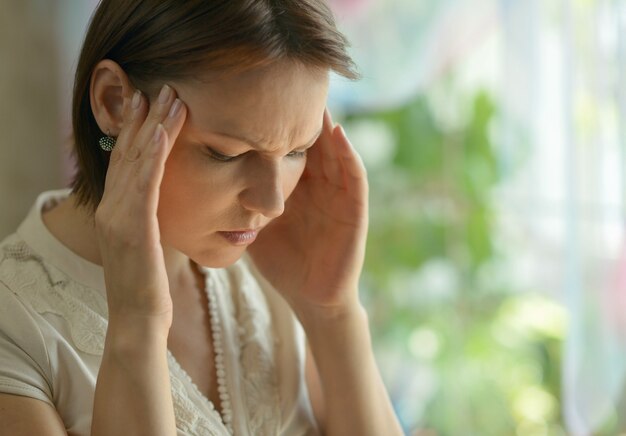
x: 126, y: 222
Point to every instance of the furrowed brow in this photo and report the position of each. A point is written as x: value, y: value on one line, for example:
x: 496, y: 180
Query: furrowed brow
x: 257, y: 143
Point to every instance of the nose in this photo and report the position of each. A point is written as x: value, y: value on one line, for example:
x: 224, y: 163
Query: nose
x: 264, y: 190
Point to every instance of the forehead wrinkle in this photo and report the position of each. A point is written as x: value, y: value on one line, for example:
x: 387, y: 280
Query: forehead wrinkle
x: 222, y: 128
x: 253, y: 143
x: 258, y: 143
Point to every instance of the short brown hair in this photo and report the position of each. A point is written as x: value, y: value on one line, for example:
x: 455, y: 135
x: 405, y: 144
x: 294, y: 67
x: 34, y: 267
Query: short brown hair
x: 157, y: 41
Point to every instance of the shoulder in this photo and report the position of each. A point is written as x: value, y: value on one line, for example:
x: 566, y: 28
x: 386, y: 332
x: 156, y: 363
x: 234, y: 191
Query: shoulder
x: 39, y: 293
x: 19, y: 326
x: 23, y: 280
x: 21, y: 269
x: 25, y: 367
x: 21, y: 276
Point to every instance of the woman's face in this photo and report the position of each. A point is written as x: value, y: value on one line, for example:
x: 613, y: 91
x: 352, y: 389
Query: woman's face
x: 238, y: 157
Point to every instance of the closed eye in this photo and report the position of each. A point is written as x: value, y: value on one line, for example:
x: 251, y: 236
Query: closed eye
x: 220, y: 157
x: 224, y: 158
x: 297, y: 154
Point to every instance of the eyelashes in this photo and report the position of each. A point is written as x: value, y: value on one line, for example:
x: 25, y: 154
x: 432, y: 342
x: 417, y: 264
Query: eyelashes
x: 225, y: 159
x: 220, y: 157
x: 297, y: 154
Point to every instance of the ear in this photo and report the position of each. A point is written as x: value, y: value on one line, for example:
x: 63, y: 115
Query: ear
x: 109, y: 87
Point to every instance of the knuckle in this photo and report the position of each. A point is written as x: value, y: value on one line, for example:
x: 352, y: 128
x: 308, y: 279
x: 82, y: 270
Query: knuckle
x: 132, y: 154
x: 154, y: 117
x: 157, y: 112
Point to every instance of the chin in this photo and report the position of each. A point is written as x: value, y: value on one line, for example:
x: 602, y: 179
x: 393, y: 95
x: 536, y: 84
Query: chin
x: 218, y: 258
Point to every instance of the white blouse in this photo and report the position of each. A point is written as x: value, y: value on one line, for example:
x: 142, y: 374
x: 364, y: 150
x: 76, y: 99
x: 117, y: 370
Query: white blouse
x: 53, y: 321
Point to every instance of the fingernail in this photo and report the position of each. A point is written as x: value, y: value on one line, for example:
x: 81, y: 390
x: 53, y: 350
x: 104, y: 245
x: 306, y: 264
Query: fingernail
x: 165, y: 94
x: 175, y: 108
x: 136, y: 99
x: 158, y: 134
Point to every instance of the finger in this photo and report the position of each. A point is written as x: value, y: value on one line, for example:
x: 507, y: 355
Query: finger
x: 150, y: 175
x: 135, y: 140
x: 313, y: 168
x: 112, y: 173
x: 153, y: 166
x: 142, y: 159
x: 315, y: 156
x: 157, y: 114
x: 134, y: 117
x: 331, y: 165
x: 352, y: 164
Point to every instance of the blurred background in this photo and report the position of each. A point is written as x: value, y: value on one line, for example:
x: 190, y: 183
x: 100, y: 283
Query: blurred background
x: 494, y: 132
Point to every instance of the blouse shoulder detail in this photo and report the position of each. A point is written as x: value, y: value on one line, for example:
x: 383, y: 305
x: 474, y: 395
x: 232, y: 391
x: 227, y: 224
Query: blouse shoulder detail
x: 48, y: 290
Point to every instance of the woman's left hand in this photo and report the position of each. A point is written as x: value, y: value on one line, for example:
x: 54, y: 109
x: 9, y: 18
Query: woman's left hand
x: 313, y: 254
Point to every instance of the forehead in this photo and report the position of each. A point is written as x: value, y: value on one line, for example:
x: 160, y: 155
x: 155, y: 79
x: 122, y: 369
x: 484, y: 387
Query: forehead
x: 279, y: 103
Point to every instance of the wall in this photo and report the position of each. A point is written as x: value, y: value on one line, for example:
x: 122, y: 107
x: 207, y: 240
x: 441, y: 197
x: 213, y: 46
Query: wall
x: 30, y: 150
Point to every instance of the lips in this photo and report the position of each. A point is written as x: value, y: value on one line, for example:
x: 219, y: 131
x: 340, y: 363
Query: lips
x: 240, y: 237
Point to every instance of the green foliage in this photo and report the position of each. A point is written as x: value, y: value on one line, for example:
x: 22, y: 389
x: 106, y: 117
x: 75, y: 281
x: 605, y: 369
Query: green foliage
x: 430, y: 247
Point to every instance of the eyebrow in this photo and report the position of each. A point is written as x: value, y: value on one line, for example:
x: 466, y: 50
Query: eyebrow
x: 256, y: 144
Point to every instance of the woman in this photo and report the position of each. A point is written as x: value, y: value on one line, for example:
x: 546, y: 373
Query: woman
x: 201, y: 276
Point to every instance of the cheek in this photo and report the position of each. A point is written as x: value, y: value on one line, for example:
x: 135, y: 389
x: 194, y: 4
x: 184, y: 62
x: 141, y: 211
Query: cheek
x: 292, y: 175
x: 190, y: 183
x: 188, y: 170
x: 178, y: 179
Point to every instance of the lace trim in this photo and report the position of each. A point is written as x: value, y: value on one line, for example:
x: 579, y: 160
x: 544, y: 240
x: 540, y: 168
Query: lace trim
x: 189, y: 417
x: 257, y: 357
x: 192, y: 415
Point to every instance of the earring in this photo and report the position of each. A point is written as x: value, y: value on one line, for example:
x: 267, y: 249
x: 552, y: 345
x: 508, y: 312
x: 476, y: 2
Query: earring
x: 107, y: 142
